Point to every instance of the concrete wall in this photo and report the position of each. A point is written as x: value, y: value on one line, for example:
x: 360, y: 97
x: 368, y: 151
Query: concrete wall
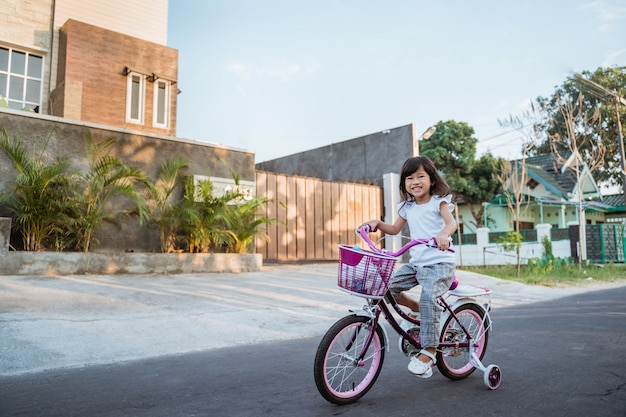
x: 62, y: 137
x: 363, y: 160
x: 73, y: 263
x: 138, y: 18
x: 26, y: 23
x: 5, y: 234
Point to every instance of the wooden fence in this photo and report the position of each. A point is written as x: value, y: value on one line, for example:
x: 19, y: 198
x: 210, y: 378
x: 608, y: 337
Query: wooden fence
x: 314, y: 215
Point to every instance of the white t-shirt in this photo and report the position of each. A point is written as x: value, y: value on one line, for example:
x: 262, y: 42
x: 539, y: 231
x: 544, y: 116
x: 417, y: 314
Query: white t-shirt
x: 425, y: 221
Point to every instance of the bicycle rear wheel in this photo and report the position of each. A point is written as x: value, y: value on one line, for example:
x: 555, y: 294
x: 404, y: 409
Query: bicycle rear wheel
x: 340, y: 376
x: 454, y: 362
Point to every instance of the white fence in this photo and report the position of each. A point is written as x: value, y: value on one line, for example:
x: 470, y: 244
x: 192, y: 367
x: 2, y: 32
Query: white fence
x: 486, y: 253
x: 601, y: 246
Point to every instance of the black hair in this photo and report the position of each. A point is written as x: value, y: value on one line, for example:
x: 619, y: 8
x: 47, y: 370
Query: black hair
x: 438, y: 185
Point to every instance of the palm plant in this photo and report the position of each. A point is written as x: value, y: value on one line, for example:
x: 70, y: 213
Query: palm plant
x: 164, y: 210
x: 106, y: 177
x: 206, y: 229
x: 245, y: 225
x: 241, y: 218
x: 38, y: 200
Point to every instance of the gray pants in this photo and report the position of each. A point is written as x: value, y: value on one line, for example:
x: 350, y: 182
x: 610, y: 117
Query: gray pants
x: 435, y: 281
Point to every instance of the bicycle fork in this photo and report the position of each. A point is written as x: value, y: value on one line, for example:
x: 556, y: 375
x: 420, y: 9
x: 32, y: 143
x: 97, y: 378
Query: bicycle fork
x: 372, y: 326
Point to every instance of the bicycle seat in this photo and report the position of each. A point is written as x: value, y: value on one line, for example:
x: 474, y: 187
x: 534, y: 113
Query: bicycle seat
x: 468, y: 291
x: 455, y: 283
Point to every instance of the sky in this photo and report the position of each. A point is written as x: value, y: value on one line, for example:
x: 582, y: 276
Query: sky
x: 278, y: 77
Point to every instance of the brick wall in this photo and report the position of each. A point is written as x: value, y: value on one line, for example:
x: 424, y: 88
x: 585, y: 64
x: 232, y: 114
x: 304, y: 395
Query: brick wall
x: 96, y: 58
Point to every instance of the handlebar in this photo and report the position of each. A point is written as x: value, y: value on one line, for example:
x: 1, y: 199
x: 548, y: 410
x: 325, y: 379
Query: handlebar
x: 363, y: 234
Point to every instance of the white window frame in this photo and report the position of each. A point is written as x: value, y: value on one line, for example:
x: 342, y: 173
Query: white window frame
x: 166, y: 104
x: 22, y: 103
x: 223, y: 185
x: 141, y: 98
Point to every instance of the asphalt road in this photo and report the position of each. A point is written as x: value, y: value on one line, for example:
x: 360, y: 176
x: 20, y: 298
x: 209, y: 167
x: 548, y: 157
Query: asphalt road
x: 52, y: 322
x: 560, y: 357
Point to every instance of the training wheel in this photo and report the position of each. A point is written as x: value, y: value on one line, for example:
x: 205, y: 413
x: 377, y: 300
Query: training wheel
x: 492, y: 377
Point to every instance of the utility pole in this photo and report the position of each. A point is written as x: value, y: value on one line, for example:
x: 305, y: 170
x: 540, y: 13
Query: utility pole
x: 620, y: 139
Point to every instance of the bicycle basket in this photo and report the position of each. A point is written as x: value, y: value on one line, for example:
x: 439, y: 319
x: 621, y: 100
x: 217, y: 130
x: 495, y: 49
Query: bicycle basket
x: 364, y: 273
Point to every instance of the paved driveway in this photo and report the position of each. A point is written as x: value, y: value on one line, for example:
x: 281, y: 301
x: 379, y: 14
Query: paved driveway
x: 71, y: 321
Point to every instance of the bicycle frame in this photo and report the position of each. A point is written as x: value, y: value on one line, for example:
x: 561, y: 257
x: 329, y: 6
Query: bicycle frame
x: 376, y: 307
x: 350, y: 355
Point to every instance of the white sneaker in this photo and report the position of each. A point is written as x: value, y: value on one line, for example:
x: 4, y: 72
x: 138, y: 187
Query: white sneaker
x: 422, y: 369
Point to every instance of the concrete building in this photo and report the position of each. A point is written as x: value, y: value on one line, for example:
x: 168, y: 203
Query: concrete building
x: 102, y: 67
x: 363, y: 160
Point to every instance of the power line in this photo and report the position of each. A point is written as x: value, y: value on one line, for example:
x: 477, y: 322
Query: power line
x: 497, y: 136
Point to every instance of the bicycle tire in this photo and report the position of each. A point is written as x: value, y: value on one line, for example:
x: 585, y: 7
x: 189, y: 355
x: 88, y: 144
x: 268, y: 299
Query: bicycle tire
x: 339, y: 378
x: 454, y: 363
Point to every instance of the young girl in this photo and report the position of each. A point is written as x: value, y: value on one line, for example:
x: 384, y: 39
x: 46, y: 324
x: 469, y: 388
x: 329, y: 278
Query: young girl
x: 427, y: 209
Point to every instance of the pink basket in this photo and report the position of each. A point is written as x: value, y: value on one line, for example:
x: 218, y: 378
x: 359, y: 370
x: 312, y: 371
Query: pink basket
x: 364, y: 273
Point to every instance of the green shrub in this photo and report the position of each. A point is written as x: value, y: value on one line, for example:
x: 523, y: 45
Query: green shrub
x: 37, y: 200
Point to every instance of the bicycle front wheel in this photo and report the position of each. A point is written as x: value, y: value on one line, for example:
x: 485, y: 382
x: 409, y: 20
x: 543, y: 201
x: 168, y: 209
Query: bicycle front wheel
x: 454, y: 362
x: 341, y: 376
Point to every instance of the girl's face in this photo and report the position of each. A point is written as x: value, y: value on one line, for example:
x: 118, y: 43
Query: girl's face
x: 418, y: 185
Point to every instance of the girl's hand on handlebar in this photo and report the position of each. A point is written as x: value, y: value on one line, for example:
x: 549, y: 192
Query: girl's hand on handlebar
x: 370, y: 226
x: 443, y: 243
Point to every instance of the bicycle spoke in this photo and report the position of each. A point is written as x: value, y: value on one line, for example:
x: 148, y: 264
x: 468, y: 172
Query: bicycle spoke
x: 342, y: 375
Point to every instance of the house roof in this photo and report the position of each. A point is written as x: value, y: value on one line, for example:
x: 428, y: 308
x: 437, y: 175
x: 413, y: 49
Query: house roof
x: 548, y: 170
x: 616, y: 201
x: 555, y: 173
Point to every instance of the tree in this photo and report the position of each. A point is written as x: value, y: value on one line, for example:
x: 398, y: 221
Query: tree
x: 513, y: 177
x: 453, y: 148
x: 580, y: 126
x: 164, y: 207
x: 38, y: 200
x: 106, y: 178
x: 243, y: 219
x: 613, y: 79
x: 482, y: 186
x: 206, y: 228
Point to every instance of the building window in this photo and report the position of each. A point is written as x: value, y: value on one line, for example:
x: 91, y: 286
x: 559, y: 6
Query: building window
x: 161, y: 103
x: 21, y: 79
x: 532, y: 184
x: 221, y: 186
x: 135, y: 93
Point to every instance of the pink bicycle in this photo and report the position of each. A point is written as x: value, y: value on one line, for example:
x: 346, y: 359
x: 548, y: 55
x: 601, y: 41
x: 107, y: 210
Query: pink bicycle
x: 350, y: 355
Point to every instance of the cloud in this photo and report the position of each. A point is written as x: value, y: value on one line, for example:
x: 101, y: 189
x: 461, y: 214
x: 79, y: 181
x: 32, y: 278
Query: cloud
x: 241, y: 70
x: 608, y: 12
x: 614, y: 57
x: 283, y: 71
x: 242, y: 92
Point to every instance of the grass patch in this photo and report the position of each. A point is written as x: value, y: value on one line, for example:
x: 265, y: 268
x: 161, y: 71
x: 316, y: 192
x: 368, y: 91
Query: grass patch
x: 561, y: 275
